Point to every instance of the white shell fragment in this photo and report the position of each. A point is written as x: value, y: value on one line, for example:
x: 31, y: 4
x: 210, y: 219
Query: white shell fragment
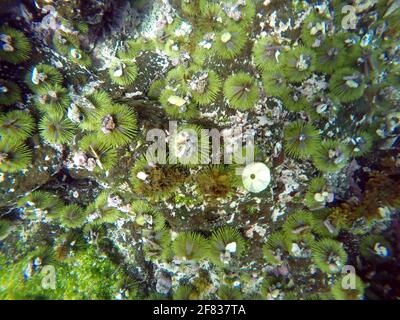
x: 226, y: 37
x: 118, y: 72
x: 142, y: 175
x: 176, y: 101
x: 256, y: 177
x: 380, y: 250
x: 231, y: 247
x: 75, y: 54
x: 35, y: 76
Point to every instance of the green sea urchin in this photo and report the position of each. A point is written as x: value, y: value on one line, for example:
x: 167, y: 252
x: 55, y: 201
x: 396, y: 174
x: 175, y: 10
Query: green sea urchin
x: 204, y: 86
x: 14, y: 155
x: 10, y: 93
x: 105, y: 157
x: 230, y: 42
x: 55, y: 128
x: 41, y: 202
x: 16, y: 124
x: 225, y: 244
x: 299, y: 225
x: 43, y: 75
x: 101, y: 211
x: 347, y: 85
x: 264, y: 51
x: 52, y: 99
x: 241, y: 91
x: 301, y: 139
x: 14, y: 46
x: 115, y: 124
x: 123, y: 72
x: 72, y: 216
x: 330, y: 56
x: 340, y: 292
x: 189, y: 145
x: 190, y: 246
x: 331, y: 156
x: 298, y: 63
x: 178, y: 104
x: 329, y: 255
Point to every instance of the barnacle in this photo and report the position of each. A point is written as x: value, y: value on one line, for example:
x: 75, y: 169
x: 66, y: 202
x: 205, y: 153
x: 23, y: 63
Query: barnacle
x: 225, y: 245
x: 190, y: 246
x: 52, y: 99
x: 329, y: 255
x: 230, y: 42
x: 298, y: 63
x: 115, y: 124
x: 10, y: 93
x: 43, y: 75
x: 241, y: 91
x: 347, y: 85
x: 14, y: 46
x: 16, y: 124
x: 72, y: 216
x: 301, y: 139
x: 104, y: 156
x: 343, y: 290
x: 100, y: 211
x: 123, y: 72
x: 204, y: 86
x: 331, y: 156
x: 14, y: 155
x: 55, y: 128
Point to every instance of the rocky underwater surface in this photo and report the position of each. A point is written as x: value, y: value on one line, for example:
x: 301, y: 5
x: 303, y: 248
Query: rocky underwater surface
x: 111, y: 187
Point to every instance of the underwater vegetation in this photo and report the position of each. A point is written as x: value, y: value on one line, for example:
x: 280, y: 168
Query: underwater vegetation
x: 88, y: 89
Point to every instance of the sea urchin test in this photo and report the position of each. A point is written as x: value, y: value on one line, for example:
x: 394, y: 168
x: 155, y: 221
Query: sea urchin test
x: 256, y: 177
